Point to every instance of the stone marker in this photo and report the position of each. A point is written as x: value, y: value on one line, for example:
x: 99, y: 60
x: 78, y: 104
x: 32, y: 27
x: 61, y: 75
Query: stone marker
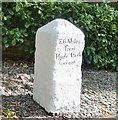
x: 58, y: 58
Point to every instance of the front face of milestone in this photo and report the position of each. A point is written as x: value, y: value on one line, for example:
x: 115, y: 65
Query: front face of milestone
x: 68, y: 56
x: 57, y: 85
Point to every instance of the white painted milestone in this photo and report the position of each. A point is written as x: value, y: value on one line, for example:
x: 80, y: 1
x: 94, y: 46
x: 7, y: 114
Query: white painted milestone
x: 58, y: 59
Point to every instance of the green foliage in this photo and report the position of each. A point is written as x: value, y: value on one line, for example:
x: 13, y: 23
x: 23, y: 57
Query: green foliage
x: 99, y: 22
x: 9, y: 114
x: 25, y: 66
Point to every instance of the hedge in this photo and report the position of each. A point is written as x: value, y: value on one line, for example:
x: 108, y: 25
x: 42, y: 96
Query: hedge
x: 99, y: 22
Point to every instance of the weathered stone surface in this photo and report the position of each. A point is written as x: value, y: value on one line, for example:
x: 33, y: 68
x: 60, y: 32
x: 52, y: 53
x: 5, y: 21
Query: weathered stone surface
x: 58, y: 58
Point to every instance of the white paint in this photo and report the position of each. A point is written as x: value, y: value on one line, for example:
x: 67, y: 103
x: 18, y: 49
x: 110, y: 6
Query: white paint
x: 58, y: 58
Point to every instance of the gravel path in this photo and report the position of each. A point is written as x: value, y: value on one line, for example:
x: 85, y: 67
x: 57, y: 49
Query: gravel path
x: 98, y: 95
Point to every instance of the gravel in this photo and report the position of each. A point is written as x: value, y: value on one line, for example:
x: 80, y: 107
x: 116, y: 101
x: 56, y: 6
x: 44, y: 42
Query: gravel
x: 98, y: 95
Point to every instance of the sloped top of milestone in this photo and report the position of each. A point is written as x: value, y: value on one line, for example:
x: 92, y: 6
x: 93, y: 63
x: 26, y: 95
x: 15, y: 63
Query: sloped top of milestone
x: 60, y: 25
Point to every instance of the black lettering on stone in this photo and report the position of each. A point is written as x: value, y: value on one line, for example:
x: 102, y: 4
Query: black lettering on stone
x: 69, y: 40
x: 60, y: 57
x: 75, y: 55
x: 67, y: 48
x: 67, y: 63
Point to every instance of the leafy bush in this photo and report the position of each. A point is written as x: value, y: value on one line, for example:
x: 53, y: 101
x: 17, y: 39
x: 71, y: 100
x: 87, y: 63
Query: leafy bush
x: 99, y: 22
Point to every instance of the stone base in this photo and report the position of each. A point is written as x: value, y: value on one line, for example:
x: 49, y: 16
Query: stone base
x: 59, y: 98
